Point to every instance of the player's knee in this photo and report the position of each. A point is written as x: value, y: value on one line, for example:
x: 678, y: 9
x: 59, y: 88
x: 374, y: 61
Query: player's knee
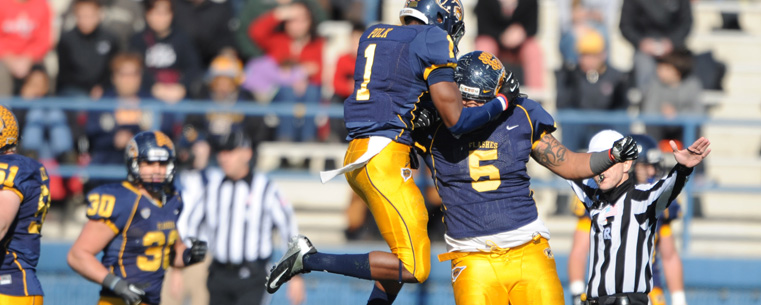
x: 422, y: 271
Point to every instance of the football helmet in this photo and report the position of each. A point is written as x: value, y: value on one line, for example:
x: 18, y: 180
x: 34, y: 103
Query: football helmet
x: 446, y: 14
x: 480, y: 76
x: 9, y: 132
x: 150, y: 146
x: 648, y: 148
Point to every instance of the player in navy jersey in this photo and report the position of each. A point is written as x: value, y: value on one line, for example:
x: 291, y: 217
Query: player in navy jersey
x: 497, y: 243
x: 133, y: 223
x: 646, y: 169
x: 396, y: 68
x: 24, y: 202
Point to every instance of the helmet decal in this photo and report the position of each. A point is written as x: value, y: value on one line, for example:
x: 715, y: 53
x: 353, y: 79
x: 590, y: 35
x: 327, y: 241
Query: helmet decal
x: 9, y: 130
x: 489, y: 59
x: 163, y: 140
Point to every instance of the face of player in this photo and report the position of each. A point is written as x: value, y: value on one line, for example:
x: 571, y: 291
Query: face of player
x: 614, y: 176
x: 88, y: 17
x: 159, y: 19
x: 644, y: 172
x: 235, y: 162
x: 300, y: 22
x: 153, y: 172
x: 468, y: 103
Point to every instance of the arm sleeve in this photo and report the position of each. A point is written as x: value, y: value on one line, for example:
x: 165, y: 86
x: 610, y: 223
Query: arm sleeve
x: 662, y: 193
x: 474, y: 117
x: 42, y: 41
x: 262, y: 28
x: 281, y: 212
x: 627, y: 24
x: 680, y: 32
x: 109, y: 207
x: 434, y: 50
x: 527, y: 14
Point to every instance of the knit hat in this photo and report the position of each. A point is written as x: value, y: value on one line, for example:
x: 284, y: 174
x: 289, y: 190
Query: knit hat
x: 591, y: 42
x: 224, y: 65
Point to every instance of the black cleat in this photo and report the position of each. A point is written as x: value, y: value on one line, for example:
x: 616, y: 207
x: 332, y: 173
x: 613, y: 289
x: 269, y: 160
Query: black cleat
x: 291, y: 264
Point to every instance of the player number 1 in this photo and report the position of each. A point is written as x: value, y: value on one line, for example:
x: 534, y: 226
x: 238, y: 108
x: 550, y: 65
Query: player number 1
x: 363, y: 94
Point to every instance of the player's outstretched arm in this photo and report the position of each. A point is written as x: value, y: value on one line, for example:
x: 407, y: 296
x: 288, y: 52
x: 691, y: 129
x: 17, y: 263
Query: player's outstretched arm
x: 693, y: 155
x: 553, y: 155
x: 9, y: 205
x: 448, y: 101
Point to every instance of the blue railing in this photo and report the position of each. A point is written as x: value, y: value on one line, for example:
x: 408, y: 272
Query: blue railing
x: 689, y: 124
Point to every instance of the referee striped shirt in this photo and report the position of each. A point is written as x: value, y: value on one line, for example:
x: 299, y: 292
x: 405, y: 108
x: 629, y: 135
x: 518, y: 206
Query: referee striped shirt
x: 236, y: 218
x: 623, y: 229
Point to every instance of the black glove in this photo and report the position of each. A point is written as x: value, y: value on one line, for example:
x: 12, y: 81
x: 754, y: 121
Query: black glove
x: 195, y: 253
x: 129, y: 292
x: 624, y: 150
x: 425, y: 117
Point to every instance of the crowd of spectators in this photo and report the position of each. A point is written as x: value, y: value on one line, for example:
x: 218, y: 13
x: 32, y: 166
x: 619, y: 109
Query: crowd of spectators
x: 269, y: 52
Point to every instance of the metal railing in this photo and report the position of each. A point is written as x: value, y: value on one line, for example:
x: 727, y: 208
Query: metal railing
x: 689, y: 124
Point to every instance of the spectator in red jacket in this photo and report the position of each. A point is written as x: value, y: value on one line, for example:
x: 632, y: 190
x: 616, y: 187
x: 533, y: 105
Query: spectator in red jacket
x: 296, y: 47
x: 343, y: 82
x: 24, y: 40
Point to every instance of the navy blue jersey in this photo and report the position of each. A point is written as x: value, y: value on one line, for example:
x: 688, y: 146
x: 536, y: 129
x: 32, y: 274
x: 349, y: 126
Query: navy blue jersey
x: 391, y: 75
x: 20, y: 248
x: 482, y: 177
x: 145, y: 235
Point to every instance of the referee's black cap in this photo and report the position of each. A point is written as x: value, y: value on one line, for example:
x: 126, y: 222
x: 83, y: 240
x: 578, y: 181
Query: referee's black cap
x: 236, y: 138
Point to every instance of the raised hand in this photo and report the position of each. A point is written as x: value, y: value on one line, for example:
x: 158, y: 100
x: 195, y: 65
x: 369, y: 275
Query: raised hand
x: 624, y: 149
x: 693, y: 155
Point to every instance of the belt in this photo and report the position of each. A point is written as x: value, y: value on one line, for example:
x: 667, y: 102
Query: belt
x: 232, y: 266
x: 618, y: 299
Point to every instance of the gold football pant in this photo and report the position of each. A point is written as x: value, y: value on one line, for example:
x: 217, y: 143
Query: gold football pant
x: 113, y: 301
x: 523, y: 275
x: 21, y: 300
x: 656, y: 296
x: 385, y: 183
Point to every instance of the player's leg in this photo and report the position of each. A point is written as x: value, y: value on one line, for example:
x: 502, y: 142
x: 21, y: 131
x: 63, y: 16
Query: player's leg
x: 476, y: 279
x: 538, y: 283
x: 21, y: 300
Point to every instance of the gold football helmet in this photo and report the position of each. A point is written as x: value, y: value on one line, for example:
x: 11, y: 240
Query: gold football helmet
x: 9, y: 131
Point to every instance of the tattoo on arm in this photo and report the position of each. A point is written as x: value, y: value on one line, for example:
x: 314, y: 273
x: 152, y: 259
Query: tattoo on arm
x: 550, y: 152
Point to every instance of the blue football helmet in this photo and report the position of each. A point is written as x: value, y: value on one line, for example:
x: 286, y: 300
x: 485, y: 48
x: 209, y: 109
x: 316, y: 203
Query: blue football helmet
x: 480, y: 76
x: 446, y: 14
x: 150, y: 146
x: 648, y: 149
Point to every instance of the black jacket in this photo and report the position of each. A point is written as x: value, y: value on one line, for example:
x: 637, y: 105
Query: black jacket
x: 575, y: 90
x: 670, y: 19
x: 83, y: 60
x: 492, y: 21
x: 209, y: 24
x: 172, y: 59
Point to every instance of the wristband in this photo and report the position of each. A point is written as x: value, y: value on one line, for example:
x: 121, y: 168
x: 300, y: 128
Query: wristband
x: 503, y: 100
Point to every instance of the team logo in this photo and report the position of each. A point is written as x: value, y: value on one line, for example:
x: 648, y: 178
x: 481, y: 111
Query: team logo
x: 145, y: 213
x: 163, y: 140
x: 456, y: 271
x: 490, y: 60
x: 406, y: 174
x: 132, y: 149
x: 548, y: 253
x: 451, y: 6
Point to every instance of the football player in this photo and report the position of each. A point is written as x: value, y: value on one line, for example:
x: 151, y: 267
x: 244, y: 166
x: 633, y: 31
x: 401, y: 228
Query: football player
x: 396, y: 66
x: 133, y: 223
x: 646, y: 170
x: 24, y: 202
x: 497, y: 243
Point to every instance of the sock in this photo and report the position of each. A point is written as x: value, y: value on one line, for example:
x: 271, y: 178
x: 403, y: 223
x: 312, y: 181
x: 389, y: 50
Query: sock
x: 355, y: 265
x: 379, y: 297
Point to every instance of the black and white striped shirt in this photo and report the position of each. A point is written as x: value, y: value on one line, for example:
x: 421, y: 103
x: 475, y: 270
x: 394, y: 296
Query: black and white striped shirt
x: 623, y: 226
x: 236, y: 218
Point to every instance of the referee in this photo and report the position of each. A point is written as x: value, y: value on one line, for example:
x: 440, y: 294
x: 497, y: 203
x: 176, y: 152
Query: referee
x: 235, y: 209
x: 624, y: 218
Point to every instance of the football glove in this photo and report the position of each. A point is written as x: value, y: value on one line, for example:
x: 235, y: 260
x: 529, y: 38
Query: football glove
x: 425, y: 117
x: 195, y: 253
x: 624, y: 150
x: 130, y: 293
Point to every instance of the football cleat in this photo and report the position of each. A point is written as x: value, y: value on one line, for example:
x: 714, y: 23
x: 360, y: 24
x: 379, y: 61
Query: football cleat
x: 291, y: 264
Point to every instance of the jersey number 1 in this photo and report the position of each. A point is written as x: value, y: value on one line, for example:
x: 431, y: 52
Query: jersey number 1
x: 363, y: 94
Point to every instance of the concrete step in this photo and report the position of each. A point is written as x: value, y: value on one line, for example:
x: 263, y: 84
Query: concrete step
x: 734, y: 171
x: 727, y: 205
x: 733, y: 141
x: 744, y: 77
